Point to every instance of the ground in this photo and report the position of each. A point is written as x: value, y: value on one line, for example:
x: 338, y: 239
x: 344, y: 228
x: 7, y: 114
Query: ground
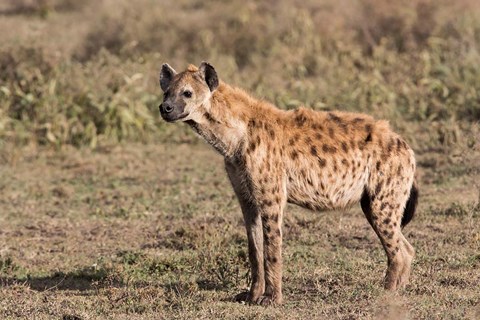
x: 152, y: 231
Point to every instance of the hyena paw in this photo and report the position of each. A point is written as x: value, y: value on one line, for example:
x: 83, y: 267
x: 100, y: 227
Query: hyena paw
x: 267, y: 300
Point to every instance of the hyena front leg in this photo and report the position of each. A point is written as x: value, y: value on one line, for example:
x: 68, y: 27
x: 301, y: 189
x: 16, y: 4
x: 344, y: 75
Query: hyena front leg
x: 271, y: 200
x: 253, y: 225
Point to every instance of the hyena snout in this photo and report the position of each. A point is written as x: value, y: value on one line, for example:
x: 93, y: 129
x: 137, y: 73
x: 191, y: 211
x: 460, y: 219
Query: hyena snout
x: 165, y: 108
x: 171, y: 111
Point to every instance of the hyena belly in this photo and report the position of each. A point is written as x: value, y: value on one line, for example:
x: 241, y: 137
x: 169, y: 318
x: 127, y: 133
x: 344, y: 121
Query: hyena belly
x: 322, y: 181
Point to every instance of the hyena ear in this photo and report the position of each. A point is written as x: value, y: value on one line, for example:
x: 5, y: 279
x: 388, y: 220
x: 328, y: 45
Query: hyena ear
x: 209, y: 74
x: 166, y: 75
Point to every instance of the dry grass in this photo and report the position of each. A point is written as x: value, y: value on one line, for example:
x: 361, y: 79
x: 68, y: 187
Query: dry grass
x: 95, y: 225
x: 142, y: 231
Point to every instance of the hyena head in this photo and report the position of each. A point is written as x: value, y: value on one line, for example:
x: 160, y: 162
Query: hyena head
x: 186, y: 94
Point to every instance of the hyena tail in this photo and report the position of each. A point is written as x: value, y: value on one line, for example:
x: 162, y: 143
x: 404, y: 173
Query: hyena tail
x: 411, y: 205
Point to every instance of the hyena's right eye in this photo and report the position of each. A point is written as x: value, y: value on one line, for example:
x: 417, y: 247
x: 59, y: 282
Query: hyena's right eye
x: 187, y: 94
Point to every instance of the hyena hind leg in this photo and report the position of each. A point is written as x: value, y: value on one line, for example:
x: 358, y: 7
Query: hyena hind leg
x: 386, y: 222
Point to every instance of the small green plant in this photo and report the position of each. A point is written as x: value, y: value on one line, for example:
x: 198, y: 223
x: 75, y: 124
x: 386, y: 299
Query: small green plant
x: 7, y: 266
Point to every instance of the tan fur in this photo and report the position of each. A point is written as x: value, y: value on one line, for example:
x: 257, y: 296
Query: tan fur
x: 318, y: 160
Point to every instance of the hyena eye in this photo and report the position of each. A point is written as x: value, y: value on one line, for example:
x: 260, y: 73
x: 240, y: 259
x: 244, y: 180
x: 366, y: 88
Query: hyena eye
x: 187, y: 94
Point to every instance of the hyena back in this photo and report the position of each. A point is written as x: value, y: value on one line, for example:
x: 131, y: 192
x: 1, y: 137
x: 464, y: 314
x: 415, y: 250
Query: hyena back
x: 318, y: 160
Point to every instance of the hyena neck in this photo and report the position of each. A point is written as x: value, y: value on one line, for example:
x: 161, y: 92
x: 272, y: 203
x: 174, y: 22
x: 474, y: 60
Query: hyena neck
x: 224, y: 124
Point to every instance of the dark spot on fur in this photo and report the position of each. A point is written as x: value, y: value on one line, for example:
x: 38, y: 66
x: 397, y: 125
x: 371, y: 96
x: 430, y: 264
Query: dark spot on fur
x: 272, y: 259
x: 339, y: 121
x: 329, y: 149
x: 334, y: 117
x: 378, y: 188
x: 345, y: 162
x: 267, y: 227
x: 210, y: 118
x: 368, y: 129
x: 322, y: 162
x: 291, y: 142
x: 378, y: 165
x: 313, y: 151
x: 300, y: 120
x: 390, y: 146
x: 272, y: 133
x: 387, y: 221
x: 361, y: 145
x: 331, y: 132
x: 389, y: 180
x: 294, y: 154
x: 344, y: 146
x: 357, y: 120
x: 318, y: 136
x: 399, y: 144
x: 252, y: 147
x: 368, y: 138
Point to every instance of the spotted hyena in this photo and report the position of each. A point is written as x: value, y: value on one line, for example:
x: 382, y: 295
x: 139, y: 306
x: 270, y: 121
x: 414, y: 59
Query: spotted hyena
x: 318, y: 160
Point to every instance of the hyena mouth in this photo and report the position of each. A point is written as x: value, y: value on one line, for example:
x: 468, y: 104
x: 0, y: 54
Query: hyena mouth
x: 173, y: 118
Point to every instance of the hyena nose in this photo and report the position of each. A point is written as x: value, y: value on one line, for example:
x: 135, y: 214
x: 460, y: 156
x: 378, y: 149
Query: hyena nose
x: 166, y: 108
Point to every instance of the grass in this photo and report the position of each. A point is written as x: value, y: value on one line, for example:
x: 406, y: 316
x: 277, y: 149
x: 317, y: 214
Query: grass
x: 107, y: 212
x: 117, y: 233
x: 415, y: 64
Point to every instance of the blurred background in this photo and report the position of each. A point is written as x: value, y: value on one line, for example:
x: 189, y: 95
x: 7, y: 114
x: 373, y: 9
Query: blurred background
x: 85, y: 72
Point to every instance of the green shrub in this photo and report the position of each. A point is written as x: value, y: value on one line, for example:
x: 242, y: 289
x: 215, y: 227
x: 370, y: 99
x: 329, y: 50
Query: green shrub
x: 416, y: 64
x: 73, y: 103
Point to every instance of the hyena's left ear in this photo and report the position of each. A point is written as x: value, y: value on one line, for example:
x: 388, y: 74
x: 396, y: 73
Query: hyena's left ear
x: 209, y: 74
x: 166, y: 75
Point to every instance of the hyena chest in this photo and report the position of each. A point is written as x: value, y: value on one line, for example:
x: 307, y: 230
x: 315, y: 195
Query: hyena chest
x: 322, y: 183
